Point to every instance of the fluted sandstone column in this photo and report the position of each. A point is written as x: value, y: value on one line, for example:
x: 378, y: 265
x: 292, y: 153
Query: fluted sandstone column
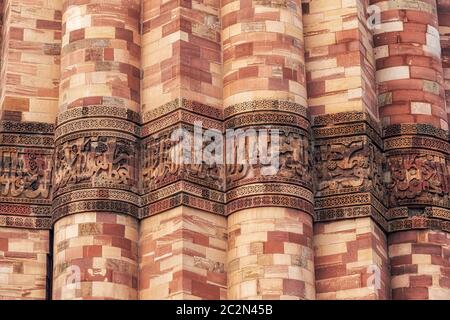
x: 29, y: 78
x: 444, y: 31
x: 412, y: 109
x: 269, y: 223
x: 95, y: 185
x: 349, y: 236
x: 183, y: 231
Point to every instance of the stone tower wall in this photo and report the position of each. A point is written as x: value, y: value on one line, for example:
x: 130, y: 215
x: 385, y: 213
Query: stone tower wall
x: 98, y: 97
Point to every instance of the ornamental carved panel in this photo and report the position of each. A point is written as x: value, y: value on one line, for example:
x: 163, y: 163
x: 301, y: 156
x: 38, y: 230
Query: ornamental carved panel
x: 166, y: 160
x: 294, y: 163
x: 348, y: 165
x: 95, y: 162
x: 25, y: 175
x: 417, y: 178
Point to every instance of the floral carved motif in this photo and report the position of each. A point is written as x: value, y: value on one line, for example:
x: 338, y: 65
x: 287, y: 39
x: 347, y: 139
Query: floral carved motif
x: 420, y: 178
x: 348, y: 165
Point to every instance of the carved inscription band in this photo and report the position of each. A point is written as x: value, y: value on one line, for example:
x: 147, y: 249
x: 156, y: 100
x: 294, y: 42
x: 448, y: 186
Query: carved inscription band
x: 106, y: 158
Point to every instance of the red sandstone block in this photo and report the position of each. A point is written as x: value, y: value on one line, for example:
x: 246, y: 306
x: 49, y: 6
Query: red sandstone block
x: 347, y: 35
x: 418, y: 293
x: 438, y: 260
x: 421, y: 17
x: 293, y: 287
x: 92, y: 251
x: 444, y: 282
x: 332, y: 271
x: 21, y: 255
x: 423, y: 73
x: 124, y: 34
x: 117, y: 230
x: 424, y: 248
x: 316, y: 88
x: 248, y: 72
x: 122, y: 278
x: 273, y: 247
x: 76, y: 35
x: 243, y: 50
x: 121, y: 243
x: 412, y: 37
x: 349, y: 59
x: 49, y: 25
x: 277, y: 236
x: 298, y: 238
x: 420, y: 281
x: 337, y: 284
x: 3, y: 245
x: 15, y: 33
x: 404, y: 269
x: 217, y: 277
x: 402, y: 237
x: 205, y: 291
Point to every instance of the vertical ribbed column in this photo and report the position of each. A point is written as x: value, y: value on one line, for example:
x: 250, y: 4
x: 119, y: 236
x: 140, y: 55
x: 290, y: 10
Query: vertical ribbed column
x: 270, y: 222
x: 409, y: 67
x: 350, y: 245
x: 183, y: 231
x: 29, y: 78
x: 444, y: 31
x: 412, y: 109
x: 30, y: 60
x: 95, y: 176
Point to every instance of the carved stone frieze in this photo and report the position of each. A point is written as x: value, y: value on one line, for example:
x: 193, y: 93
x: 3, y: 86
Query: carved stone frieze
x: 162, y: 162
x: 294, y: 162
x: 349, y: 164
x: 417, y: 177
x: 25, y: 175
x: 96, y: 161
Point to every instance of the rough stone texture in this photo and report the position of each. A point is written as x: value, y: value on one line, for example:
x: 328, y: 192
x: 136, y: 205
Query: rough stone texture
x: 23, y: 263
x: 95, y: 257
x: 100, y: 58
x: 183, y: 255
x: 409, y: 67
x: 420, y: 265
x: 444, y: 31
x: 351, y: 260
x: 30, y: 60
x: 92, y: 92
x: 270, y: 254
x: 339, y: 54
x: 181, y: 54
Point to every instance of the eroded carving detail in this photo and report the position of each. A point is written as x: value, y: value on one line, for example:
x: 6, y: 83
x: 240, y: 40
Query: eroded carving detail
x: 417, y: 178
x: 25, y: 174
x: 348, y: 165
x: 101, y: 161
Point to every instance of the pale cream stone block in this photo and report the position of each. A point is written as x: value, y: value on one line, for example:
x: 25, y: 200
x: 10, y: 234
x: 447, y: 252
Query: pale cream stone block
x: 389, y: 27
x: 102, y: 32
x: 38, y: 117
x: 248, y: 288
x: 271, y: 286
x: 355, y: 293
x: 342, y: 225
x: 438, y: 293
x: 324, y: 5
x: 393, y: 73
x: 420, y: 108
x: 400, y: 249
x: 326, y: 239
x: 427, y: 268
x: 381, y: 52
x: 281, y: 259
